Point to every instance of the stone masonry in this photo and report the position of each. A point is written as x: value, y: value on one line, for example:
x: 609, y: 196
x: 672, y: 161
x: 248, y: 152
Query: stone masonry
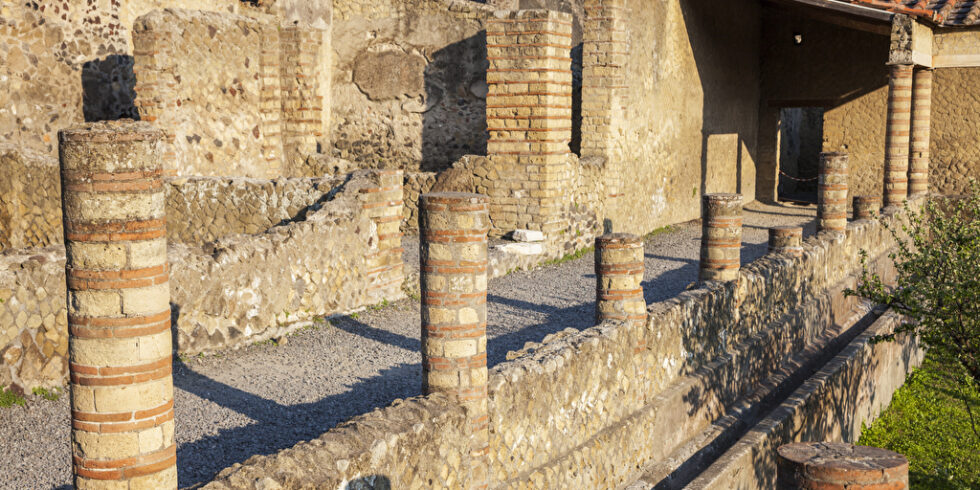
x: 529, y: 116
x: 721, y: 237
x: 839, y: 466
x: 786, y: 240
x: 832, y: 192
x: 118, y: 307
x: 383, y: 205
x: 867, y: 207
x: 454, y: 230
x: 619, y: 278
x: 897, y: 135
x: 921, y: 130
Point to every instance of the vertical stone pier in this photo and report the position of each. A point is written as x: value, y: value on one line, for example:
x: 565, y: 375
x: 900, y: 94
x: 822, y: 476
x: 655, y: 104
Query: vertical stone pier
x: 835, y: 465
x: 453, y: 228
x: 529, y: 117
x: 118, y: 306
x: 786, y: 240
x: 383, y: 204
x: 619, y: 278
x: 867, y: 207
x: 832, y: 193
x: 921, y: 127
x: 899, y: 126
x: 302, y: 102
x: 721, y: 237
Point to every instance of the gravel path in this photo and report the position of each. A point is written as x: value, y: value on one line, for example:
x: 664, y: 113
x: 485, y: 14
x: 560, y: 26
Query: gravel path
x: 264, y: 398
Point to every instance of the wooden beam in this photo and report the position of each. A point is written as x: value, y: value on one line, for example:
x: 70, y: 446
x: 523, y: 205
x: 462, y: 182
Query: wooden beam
x: 880, y: 27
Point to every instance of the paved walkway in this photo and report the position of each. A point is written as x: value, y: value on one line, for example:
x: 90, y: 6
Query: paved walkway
x: 264, y: 398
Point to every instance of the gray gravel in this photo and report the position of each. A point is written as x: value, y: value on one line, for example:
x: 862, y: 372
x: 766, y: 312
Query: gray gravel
x: 264, y: 398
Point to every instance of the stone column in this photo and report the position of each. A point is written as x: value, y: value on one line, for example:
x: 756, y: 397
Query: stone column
x: 721, y: 237
x: 897, y: 135
x: 786, y: 240
x: 453, y: 228
x: 832, y: 193
x: 118, y: 306
x: 529, y: 117
x: 921, y: 123
x: 302, y: 99
x: 835, y: 465
x: 383, y: 204
x: 619, y: 278
x: 866, y: 207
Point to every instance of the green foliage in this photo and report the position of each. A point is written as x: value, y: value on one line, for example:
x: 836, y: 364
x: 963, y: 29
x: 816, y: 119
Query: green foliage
x: 938, y: 279
x: 8, y: 399
x: 932, y: 420
x: 50, y: 395
x: 660, y: 231
x: 578, y: 254
x: 355, y: 315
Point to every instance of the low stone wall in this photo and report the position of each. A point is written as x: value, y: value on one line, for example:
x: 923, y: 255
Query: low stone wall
x: 342, y: 254
x: 205, y: 209
x: 30, y: 200
x: 590, y: 409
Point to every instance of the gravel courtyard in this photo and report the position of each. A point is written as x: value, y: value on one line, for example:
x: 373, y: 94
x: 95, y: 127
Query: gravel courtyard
x: 268, y: 397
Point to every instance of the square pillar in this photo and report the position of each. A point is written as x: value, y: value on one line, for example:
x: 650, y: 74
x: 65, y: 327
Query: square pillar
x: 921, y: 126
x: 897, y: 132
x: 529, y: 116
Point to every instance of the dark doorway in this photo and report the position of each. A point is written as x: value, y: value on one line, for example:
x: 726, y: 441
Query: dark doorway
x: 800, y: 144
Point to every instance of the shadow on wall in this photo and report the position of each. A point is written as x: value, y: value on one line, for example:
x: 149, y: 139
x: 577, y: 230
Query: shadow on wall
x: 727, y: 63
x: 454, y: 116
x: 107, y: 89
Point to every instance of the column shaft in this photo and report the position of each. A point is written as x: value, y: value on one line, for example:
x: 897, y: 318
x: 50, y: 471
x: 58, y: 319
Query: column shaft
x: 721, y: 237
x: 619, y: 278
x: 866, y: 207
x: 832, y: 192
x: 118, y: 307
x: 897, y: 135
x: 921, y: 126
x: 453, y: 245
x: 839, y: 466
x: 786, y: 240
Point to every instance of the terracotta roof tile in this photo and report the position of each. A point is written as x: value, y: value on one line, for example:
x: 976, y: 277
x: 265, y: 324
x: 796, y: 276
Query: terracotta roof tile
x: 943, y: 12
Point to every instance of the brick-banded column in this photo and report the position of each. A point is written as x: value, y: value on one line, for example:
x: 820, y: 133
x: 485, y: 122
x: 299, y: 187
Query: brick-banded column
x: 453, y: 228
x: 866, y: 207
x: 721, y: 237
x: 899, y: 126
x: 832, y: 192
x: 840, y: 466
x: 270, y: 104
x: 529, y: 116
x: 786, y: 240
x: 302, y: 102
x: 605, y: 54
x: 118, y: 306
x: 619, y: 278
x: 382, y: 202
x: 921, y: 124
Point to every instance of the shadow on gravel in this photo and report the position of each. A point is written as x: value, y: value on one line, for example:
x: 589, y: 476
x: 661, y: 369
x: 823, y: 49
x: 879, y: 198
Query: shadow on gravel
x: 278, y: 426
x: 362, y: 329
x: 579, y: 317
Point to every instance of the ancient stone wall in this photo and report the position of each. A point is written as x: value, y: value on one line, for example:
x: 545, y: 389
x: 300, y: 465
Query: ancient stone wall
x: 335, y: 254
x: 30, y: 199
x: 955, y: 144
x: 579, y: 409
x: 67, y: 61
x: 221, y: 105
x: 409, y: 82
x: 686, y: 124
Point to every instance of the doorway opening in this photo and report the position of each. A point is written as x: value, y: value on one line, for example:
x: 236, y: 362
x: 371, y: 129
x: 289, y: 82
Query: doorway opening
x: 800, y: 144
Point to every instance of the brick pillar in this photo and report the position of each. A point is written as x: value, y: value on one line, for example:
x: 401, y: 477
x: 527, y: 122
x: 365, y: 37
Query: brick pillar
x: 270, y: 106
x: 453, y: 230
x: 605, y: 91
x: 619, y: 278
x: 721, y: 237
x: 866, y: 207
x: 786, y: 240
x: 529, y: 116
x: 832, y: 192
x: 153, y: 67
x: 302, y: 102
x: 383, y: 204
x: 118, y: 306
x: 839, y: 466
x: 897, y: 135
x: 921, y: 123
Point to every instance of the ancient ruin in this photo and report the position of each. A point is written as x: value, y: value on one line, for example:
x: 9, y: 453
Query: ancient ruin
x: 190, y: 178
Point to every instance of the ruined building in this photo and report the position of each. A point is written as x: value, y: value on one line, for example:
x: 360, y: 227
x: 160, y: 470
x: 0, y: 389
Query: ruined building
x: 297, y: 139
